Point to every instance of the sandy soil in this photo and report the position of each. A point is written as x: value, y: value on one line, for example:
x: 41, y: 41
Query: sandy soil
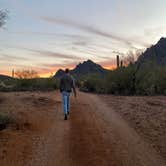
x: 147, y: 115
x: 99, y: 132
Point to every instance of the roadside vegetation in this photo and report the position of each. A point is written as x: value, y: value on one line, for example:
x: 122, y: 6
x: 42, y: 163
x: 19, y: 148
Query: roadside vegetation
x: 28, y: 80
x: 5, y: 119
x: 148, y: 80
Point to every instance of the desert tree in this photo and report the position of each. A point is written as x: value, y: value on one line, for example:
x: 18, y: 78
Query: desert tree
x: 26, y: 74
x: 131, y: 57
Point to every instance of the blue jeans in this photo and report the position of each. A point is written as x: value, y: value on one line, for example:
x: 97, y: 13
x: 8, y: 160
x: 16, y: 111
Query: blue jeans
x: 66, y: 101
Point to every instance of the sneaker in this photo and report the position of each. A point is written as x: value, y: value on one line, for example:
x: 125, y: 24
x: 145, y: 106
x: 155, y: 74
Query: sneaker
x: 65, y: 117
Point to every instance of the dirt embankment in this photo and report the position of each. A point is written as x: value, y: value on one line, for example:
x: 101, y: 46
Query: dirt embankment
x: 31, y: 118
x: 94, y: 135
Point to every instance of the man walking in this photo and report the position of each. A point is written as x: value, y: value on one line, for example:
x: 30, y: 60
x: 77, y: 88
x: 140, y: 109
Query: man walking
x: 66, y: 86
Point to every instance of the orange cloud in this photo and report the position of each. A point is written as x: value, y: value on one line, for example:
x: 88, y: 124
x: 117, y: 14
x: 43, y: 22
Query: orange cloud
x: 53, y: 69
x: 110, y: 65
x: 6, y: 73
x: 50, y: 69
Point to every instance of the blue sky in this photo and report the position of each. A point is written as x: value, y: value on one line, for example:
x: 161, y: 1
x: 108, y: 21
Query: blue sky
x: 47, y: 35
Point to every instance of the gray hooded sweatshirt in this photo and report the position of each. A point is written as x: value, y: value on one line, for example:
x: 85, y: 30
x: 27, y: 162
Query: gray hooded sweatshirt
x: 67, y: 83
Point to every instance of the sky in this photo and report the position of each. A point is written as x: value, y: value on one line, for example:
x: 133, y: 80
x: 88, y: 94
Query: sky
x: 47, y: 35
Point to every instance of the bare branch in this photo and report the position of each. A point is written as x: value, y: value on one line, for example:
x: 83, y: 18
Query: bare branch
x: 26, y: 74
x: 131, y: 57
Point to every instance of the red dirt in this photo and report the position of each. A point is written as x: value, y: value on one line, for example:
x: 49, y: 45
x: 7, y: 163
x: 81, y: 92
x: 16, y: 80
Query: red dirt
x: 94, y: 135
x: 147, y: 115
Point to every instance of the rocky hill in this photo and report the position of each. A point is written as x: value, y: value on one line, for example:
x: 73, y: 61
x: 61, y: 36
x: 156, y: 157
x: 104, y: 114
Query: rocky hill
x: 156, y: 54
x: 87, y: 67
x: 4, y: 77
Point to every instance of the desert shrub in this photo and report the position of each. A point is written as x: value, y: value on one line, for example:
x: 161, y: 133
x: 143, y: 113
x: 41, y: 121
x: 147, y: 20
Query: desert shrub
x: 120, y: 81
x: 151, y: 81
x: 92, y: 83
x: 28, y: 80
x: 148, y: 80
x: 7, y: 85
x: 38, y: 84
x: 4, y: 120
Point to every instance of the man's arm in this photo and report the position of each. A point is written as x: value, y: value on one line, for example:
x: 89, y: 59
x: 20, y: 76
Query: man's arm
x: 74, y: 87
x: 60, y: 85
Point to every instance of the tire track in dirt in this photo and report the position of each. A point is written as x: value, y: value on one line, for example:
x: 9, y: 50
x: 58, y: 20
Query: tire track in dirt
x: 76, y: 142
x: 94, y: 135
x: 87, y: 146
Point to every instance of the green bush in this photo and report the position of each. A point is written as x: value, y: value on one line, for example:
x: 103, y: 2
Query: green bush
x: 39, y: 84
x: 4, y: 118
x: 151, y: 81
x: 148, y: 80
x: 92, y: 83
x: 121, y: 81
x: 36, y: 84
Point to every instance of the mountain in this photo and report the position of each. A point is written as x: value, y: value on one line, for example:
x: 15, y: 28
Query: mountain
x: 156, y: 54
x: 87, y: 67
x: 59, y: 73
x: 4, y: 77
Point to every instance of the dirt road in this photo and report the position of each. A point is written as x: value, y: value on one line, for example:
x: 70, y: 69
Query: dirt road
x: 94, y: 135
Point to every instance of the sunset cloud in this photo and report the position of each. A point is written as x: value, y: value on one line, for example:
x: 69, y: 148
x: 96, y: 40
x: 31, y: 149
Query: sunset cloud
x: 51, y: 34
x: 83, y: 27
x: 54, y: 54
x: 154, y: 32
x: 43, y: 53
x: 91, y: 29
x: 59, y: 65
x: 47, y: 35
x: 6, y: 57
x: 109, y: 64
x: 53, y: 67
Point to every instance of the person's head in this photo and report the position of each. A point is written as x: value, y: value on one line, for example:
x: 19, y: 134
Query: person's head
x: 67, y: 70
